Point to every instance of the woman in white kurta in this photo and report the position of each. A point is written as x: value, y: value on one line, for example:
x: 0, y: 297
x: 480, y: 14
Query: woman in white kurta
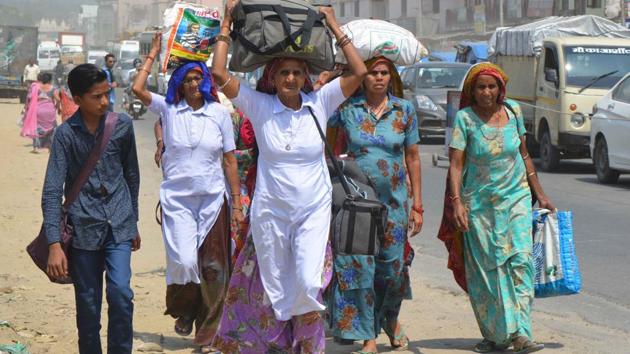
x: 198, y: 139
x: 291, y: 206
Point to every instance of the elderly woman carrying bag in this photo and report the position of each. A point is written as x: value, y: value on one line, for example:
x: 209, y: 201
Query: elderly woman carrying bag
x: 198, y: 158
x: 490, y: 176
x: 274, y: 298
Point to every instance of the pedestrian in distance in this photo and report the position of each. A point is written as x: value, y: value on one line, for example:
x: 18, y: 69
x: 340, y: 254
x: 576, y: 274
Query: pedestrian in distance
x: 197, y: 144
x: 284, y: 261
x: 104, y: 215
x: 40, y: 112
x: 491, y: 182
x: 381, y: 130
x: 59, y: 72
x: 31, y: 70
x: 108, y: 69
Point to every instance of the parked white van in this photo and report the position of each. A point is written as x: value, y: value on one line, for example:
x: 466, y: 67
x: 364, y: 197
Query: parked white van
x: 47, y: 55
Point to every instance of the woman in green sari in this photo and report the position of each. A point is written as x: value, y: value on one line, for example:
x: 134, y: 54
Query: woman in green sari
x: 490, y: 179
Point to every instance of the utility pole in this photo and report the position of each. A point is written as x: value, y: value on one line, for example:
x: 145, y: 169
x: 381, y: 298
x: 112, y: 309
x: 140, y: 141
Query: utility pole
x: 500, y: 13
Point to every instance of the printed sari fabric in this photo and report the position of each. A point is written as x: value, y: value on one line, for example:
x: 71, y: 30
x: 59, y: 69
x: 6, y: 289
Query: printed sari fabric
x: 498, y: 245
x: 367, y: 291
x: 248, y: 324
x: 245, y: 157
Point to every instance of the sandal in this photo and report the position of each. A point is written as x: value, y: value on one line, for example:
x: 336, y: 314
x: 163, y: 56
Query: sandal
x: 523, y: 345
x: 401, y: 338
x: 184, y: 326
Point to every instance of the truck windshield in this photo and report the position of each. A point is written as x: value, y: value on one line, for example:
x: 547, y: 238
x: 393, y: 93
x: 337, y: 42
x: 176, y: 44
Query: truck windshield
x: 585, y: 63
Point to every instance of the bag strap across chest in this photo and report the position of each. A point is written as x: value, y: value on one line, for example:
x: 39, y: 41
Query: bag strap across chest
x: 95, y: 154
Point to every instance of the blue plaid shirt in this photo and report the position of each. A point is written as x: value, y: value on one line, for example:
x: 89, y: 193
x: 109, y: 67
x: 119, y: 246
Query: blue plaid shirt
x: 109, y: 198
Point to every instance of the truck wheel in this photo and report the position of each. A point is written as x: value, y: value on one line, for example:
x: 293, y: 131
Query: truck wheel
x: 605, y: 174
x: 549, y: 155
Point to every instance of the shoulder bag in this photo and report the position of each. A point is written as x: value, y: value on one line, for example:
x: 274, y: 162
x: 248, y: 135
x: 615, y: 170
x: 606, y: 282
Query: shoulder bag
x: 38, y: 248
x: 360, y: 224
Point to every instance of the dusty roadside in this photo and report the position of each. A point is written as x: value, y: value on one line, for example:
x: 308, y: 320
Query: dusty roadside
x: 41, y: 315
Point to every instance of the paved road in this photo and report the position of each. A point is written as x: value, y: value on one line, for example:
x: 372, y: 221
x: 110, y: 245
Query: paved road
x: 602, y: 230
x: 602, y: 237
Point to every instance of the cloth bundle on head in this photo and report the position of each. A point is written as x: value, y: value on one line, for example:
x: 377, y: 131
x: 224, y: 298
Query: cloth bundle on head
x: 265, y: 83
x: 467, y: 98
x: 206, y: 86
x: 395, y: 83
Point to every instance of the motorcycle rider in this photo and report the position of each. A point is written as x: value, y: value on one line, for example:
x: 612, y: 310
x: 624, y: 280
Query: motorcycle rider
x: 129, y: 96
x: 60, y: 78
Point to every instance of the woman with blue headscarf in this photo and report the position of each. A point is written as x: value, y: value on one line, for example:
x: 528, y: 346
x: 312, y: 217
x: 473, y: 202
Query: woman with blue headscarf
x: 198, y: 142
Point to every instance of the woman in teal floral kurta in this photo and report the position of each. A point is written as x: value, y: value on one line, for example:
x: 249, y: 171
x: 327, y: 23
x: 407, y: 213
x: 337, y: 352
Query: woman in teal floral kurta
x: 382, y: 137
x: 490, y: 178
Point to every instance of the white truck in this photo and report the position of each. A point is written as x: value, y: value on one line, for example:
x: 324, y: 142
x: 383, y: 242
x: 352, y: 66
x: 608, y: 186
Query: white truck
x: 558, y: 69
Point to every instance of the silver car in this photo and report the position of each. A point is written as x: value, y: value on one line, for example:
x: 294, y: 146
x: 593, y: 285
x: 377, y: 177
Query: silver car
x: 426, y: 86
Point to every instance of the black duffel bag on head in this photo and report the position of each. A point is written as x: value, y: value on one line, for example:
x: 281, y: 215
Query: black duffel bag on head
x: 360, y: 222
x: 267, y: 29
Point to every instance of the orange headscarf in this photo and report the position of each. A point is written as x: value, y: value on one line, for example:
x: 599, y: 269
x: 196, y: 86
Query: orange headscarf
x: 467, y: 99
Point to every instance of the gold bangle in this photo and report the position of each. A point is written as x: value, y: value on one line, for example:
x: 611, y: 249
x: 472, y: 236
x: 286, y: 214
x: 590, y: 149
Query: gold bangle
x: 525, y: 157
x: 151, y: 57
x: 145, y: 70
x: 531, y: 174
x: 223, y: 38
x: 454, y: 198
x: 157, y: 143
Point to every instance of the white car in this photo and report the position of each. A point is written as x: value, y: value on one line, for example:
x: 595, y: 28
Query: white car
x: 610, y: 133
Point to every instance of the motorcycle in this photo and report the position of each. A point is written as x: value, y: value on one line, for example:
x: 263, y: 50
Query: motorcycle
x: 134, y: 107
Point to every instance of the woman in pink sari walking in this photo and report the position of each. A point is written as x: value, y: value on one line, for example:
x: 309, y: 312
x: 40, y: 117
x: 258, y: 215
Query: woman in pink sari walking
x: 40, y: 118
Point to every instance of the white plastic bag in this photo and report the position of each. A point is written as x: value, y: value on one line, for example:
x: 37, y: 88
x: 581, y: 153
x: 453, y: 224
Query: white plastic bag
x: 187, y: 34
x: 555, y: 261
x: 380, y: 38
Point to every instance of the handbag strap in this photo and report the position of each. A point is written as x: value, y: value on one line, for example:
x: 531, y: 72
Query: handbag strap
x: 332, y: 157
x: 95, y: 155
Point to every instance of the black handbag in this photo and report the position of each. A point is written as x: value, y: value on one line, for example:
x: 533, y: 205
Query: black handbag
x: 360, y: 224
x: 266, y: 29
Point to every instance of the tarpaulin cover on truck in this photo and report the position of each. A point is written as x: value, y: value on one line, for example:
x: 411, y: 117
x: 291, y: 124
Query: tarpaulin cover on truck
x: 527, y: 39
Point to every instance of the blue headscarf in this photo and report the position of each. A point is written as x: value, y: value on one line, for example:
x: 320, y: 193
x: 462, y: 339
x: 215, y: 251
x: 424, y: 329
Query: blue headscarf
x: 206, y: 86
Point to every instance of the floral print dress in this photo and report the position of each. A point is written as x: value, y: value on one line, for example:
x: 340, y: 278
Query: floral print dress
x: 367, y: 291
x: 245, y: 158
x: 498, y: 245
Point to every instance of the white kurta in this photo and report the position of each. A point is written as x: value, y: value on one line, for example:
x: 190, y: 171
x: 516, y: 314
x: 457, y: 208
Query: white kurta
x: 291, y: 208
x: 193, y: 187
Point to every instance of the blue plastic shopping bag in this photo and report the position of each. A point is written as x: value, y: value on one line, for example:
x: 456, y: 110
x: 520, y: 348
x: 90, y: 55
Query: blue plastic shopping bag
x: 555, y: 261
